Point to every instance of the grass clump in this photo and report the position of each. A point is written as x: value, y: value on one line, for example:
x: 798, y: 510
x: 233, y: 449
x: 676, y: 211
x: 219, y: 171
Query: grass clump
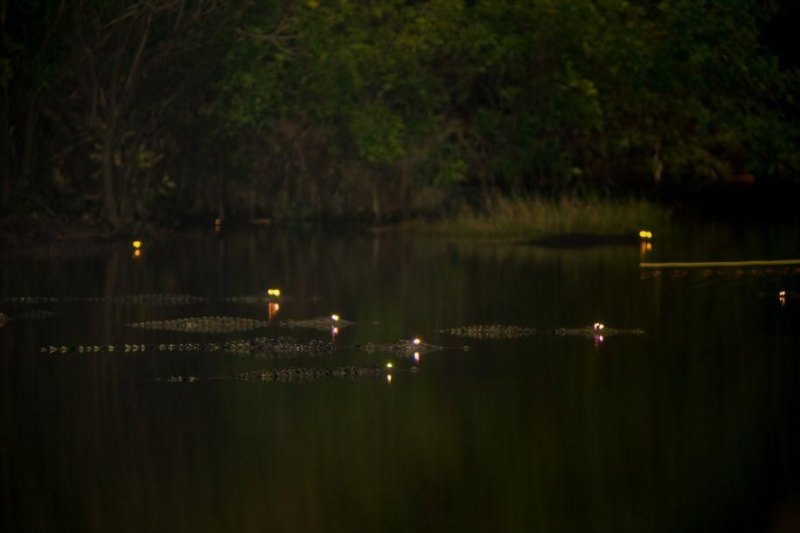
x: 535, y: 217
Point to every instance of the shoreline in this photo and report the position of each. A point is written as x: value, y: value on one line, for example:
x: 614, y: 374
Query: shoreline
x: 566, y: 222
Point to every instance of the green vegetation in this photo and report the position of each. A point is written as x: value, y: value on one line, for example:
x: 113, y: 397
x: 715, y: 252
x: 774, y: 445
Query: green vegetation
x: 532, y: 218
x: 149, y: 110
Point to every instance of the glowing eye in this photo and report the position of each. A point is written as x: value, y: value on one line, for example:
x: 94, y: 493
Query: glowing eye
x: 274, y: 292
x: 643, y: 234
x: 136, y: 244
x: 782, y: 294
x: 389, y: 365
x: 335, y: 318
x: 417, y: 341
x: 598, y: 326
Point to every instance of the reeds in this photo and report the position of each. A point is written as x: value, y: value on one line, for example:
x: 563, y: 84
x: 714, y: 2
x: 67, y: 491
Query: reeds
x: 535, y: 217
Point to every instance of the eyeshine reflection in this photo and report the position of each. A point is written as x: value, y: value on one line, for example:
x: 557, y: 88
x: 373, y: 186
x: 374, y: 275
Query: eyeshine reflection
x: 598, y: 340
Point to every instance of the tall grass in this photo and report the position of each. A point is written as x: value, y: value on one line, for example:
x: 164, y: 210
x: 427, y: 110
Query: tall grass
x: 531, y: 218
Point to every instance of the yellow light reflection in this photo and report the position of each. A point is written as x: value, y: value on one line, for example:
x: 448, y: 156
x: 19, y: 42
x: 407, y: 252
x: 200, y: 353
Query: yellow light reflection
x: 782, y: 297
x: 388, y: 378
x: 137, y: 253
x: 274, y: 292
x: 334, y: 333
x: 416, y: 357
x: 272, y: 309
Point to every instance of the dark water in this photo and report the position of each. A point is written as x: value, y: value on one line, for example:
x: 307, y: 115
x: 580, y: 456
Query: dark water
x: 693, y: 426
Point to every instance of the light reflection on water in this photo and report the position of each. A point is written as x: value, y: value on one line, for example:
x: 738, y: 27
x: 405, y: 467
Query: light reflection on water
x: 689, y: 427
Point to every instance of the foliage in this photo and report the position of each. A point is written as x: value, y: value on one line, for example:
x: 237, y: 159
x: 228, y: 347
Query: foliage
x: 529, y: 218
x: 354, y: 107
x: 539, y: 95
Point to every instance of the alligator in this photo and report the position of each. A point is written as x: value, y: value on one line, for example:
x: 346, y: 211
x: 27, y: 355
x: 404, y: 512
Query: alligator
x: 720, y: 273
x: 303, y: 374
x: 258, y: 346
x: 227, y: 324
x: 30, y: 314
x: 406, y: 347
x: 589, y: 240
x: 490, y: 331
x: 138, y: 299
x: 597, y: 331
x: 204, y: 324
x: 260, y: 299
x: 500, y: 331
x: 32, y: 300
x: 324, y: 323
x: 151, y: 299
x: 292, y: 374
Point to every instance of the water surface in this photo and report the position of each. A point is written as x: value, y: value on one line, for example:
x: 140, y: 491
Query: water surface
x: 691, y: 426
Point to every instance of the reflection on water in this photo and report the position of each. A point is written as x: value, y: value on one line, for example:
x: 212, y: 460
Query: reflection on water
x: 690, y: 426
